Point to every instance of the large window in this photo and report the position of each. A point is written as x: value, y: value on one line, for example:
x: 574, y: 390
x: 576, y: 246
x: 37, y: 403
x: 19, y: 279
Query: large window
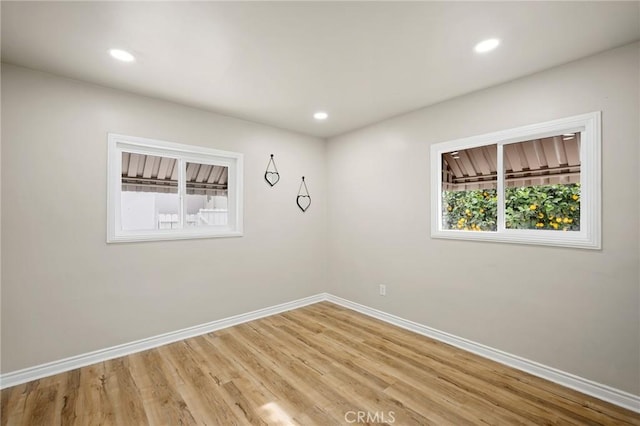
x: 537, y: 184
x: 160, y: 191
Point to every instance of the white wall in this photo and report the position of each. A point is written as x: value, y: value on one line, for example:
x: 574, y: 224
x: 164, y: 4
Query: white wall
x: 66, y: 292
x: 576, y: 310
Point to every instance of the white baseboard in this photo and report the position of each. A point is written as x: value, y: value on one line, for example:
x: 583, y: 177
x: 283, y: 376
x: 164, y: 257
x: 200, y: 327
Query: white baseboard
x: 598, y: 390
x: 55, y: 367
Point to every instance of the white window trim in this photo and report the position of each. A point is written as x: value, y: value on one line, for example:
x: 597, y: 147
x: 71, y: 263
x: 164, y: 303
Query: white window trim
x: 119, y: 143
x: 589, y: 236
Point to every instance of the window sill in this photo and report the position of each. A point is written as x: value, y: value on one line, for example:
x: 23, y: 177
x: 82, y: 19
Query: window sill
x: 169, y: 235
x: 544, y: 238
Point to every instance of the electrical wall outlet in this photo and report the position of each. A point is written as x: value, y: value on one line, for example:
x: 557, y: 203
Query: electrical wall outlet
x: 383, y: 290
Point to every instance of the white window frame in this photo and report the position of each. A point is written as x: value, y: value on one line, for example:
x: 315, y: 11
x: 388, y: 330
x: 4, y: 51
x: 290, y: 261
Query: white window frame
x: 589, y: 236
x: 117, y: 144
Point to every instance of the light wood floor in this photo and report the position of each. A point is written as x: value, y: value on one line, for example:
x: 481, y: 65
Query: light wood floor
x: 314, y: 365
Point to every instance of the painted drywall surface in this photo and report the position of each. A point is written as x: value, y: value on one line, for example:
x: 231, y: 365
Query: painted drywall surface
x: 0, y: 229
x: 66, y: 292
x: 576, y: 310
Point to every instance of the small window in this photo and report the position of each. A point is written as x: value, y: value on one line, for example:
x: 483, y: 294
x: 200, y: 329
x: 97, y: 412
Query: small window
x: 538, y: 184
x: 161, y: 191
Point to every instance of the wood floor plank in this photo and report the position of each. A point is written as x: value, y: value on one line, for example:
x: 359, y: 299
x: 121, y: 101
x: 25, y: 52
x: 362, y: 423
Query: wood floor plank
x: 576, y: 406
x: 219, y: 368
x: 267, y: 375
x: 127, y: 399
x: 521, y: 407
x: 339, y: 356
x: 163, y: 404
x: 27, y: 400
x: 97, y: 406
x: 69, y: 390
x: 13, y: 413
x: 40, y: 410
x: 244, y: 402
x: 199, y: 390
x: 4, y: 405
x: 443, y: 391
x: 311, y: 381
x: 232, y: 376
x: 318, y: 365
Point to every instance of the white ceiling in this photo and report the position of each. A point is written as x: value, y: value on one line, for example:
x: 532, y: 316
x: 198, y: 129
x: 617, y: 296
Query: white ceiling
x: 279, y: 62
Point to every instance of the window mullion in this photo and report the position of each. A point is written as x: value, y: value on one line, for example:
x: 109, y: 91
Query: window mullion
x: 585, y: 208
x: 501, y: 226
x: 116, y: 184
x: 182, y: 185
x: 440, y: 192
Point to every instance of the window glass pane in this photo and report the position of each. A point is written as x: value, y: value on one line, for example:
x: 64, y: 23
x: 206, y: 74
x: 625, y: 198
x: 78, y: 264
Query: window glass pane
x: 469, y: 189
x: 207, y: 191
x: 149, y: 197
x: 542, y: 183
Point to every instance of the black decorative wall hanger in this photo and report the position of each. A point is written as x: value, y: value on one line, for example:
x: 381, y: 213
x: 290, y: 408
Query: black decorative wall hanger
x: 271, y: 175
x: 303, y: 200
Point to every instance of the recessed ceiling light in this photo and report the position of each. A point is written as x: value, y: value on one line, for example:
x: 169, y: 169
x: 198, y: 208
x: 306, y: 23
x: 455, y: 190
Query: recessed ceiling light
x: 122, y: 55
x: 320, y: 115
x: 487, y: 45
